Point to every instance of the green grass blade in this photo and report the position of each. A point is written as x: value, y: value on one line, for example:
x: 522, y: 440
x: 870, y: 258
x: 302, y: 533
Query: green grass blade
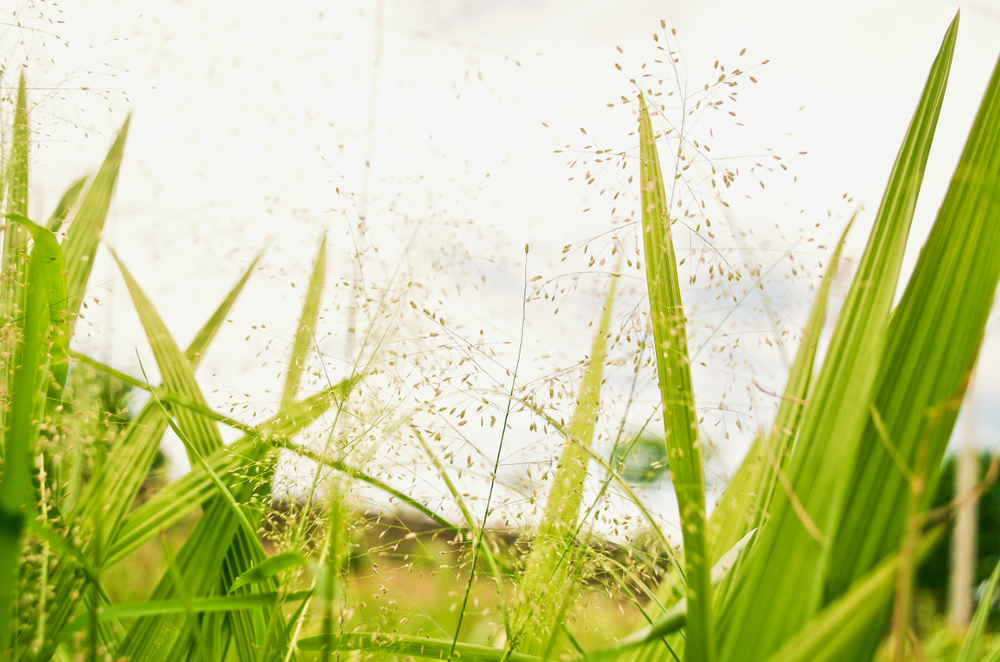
x: 110, y: 493
x: 547, y: 580
x: 673, y: 370
x: 672, y: 619
x: 220, y: 603
x: 787, y: 566
x: 936, y: 329
x: 174, y: 501
x: 176, y: 371
x: 269, y: 568
x: 66, y: 202
x: 17, y: 496
x: 306, y: 328
x: 831, y: 634
x: 87, y: 224
x: 403, y: 645
x: 971, y: 642
x: 738, y: 511
x: 15, y: 246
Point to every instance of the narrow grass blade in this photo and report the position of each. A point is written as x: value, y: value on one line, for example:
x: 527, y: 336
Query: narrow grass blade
x: 110, y: 493
x: 936, y: 330
x: 176, y: 370
x: 15, y: 246
x: 221, y: 603
x: 17, y: 496
x: 546, y: 581
x: 673, y: 370
x: 787, y: 567
x: 674, y: 618
x: 269, y: 568
x: 66, y: 202
x: 87, y: 224
x: 307, y: 325
x: 174, y: 501
x: 971, y: 642
x: 472, y: 525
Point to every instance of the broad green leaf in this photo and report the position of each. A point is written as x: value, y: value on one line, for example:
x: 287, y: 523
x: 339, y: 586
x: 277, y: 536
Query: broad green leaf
x: 17, y: 496
x: 64, y: 206
x: 547, y: 579
x: 269, y: 568
x: 787, y: 567
x: 935, y: 331
x: 832, y: 633
x: 673, y: 371
x: 307, y: 326
x: 87, y: 224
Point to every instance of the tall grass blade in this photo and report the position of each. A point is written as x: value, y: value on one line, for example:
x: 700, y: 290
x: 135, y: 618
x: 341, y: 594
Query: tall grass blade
x: 18, y: 498
x: 110, y: 493
x: 175, y: 370
x: 307, y: 325
x: 15, y: 246
x: 746, y: 500
x: 546, y: 582
x: 87, y: 224
x: 971, y: 642
x: 936, y: 330
x: 673, y: 370
x: 66, y: 202
x: 786, y: 568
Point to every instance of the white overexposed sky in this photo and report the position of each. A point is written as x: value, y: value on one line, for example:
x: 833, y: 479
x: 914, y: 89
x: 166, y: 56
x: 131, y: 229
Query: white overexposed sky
x: 252, y: 122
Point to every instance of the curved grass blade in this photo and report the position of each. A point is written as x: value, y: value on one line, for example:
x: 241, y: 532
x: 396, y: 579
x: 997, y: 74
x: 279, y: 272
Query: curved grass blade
x: 787, y: 567
x: 173, y: 502
x: 269, y: 568
x: 971, y: 642
x: 219, y: 603
x: 674, y: 618
x: 673, y: 370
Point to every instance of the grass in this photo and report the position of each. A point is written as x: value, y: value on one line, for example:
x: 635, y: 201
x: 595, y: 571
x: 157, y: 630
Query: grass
x: 810, y: 555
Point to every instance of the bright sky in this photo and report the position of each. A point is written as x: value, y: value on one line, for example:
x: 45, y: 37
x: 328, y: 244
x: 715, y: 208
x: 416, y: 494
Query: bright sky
x: 252, y: 125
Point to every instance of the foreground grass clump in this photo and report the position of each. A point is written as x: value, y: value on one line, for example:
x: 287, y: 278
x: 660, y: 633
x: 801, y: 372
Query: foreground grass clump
x: 810, y: 555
